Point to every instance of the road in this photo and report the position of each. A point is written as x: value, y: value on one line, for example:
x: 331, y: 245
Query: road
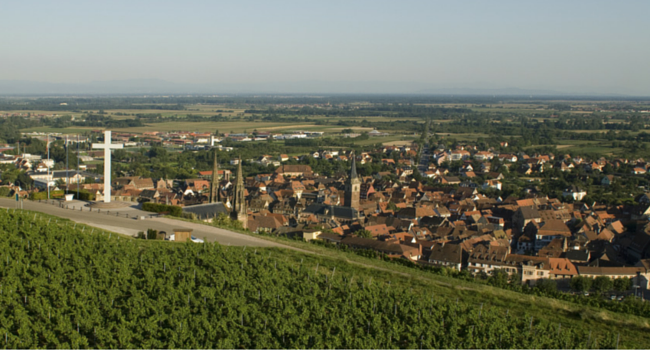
x: 423, y: 163
x: 116, y: 220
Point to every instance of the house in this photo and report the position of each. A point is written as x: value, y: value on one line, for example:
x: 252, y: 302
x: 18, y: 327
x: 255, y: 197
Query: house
x: 483, y: 156
x: 223, y: 174
x: 265, y: 222
x: 507, y: 158
x: 574, y: 192
x: 407, y: 251
x: 550, y: 230
x: 485, y: 258
x: 607, y: 180
x: 494, y: 184
x: 524, y: 215
x: 447, y: 254
x: 459, y: 155
x: 561, y: 268
x: 294, y: 170
x: 378, y: 230
x: 206, y: 212
x: 564, y: 166
x: 638, y: 274
x: 449, y: 180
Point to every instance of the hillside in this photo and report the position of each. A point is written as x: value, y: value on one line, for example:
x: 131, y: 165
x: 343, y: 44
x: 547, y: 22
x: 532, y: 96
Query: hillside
x: 67, y: 285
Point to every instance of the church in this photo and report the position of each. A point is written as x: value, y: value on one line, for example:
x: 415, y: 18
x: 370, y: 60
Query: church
x: 341, y: 214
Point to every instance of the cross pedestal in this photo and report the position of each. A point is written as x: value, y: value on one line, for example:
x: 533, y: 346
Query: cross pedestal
x: 107, y: 146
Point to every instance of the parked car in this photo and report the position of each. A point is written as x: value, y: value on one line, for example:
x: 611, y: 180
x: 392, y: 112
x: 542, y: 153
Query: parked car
x: 172, y: 237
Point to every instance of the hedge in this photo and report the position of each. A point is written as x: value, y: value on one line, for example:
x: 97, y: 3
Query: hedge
x: 85, y: 195
x: 163, y: 208
x: 43, y: 195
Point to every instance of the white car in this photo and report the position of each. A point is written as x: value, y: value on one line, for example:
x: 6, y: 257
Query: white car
x: 172, y: 237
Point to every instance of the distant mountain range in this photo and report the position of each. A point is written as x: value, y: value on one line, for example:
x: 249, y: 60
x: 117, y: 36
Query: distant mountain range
x: 156, y: 86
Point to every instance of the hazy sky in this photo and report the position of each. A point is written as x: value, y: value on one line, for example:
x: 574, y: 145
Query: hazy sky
x: 562, y: 45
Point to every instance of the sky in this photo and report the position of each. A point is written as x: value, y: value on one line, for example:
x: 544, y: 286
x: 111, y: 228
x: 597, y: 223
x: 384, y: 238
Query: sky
x: 570, y: 46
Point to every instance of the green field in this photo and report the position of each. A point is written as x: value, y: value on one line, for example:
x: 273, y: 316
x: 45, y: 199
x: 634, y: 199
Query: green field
x: 461, y: 136
x: 584, y: 146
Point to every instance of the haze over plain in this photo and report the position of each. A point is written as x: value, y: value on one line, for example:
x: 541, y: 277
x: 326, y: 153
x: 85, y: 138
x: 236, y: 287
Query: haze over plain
x: 577, y: 47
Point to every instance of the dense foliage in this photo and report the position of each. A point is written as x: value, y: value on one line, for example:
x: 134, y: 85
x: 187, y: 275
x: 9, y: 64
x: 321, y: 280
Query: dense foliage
x: 67, y: 287
x: 162, y: 208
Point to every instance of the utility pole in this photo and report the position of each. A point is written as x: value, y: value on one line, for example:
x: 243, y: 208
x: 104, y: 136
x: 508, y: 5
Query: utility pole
x: 48, y: 166
x: 78, y: 167
x: 67, y: 178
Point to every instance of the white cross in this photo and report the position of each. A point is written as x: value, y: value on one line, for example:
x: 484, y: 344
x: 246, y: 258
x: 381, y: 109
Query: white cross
x: 107, y: 147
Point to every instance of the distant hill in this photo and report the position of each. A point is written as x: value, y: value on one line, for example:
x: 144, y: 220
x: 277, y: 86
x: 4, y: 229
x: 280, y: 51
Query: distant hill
x: 157, y: 86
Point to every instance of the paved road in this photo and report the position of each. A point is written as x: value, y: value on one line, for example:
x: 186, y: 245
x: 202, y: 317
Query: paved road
x: 116, y: 220
x: 423, y: 163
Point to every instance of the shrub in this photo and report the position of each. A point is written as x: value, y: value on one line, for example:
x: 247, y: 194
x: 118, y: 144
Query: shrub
x: 5, y: 191
x: 622, y: 284
x: 602, y: 284
x: 581, y: 284
x: 547, y: 286
x: 86, y: 196
x: 43, y: 195
x: 163, y: 208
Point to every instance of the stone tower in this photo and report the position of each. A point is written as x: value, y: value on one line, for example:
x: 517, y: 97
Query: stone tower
x: 239, y: 199
x: 353, y: 187
x: 214, y: 185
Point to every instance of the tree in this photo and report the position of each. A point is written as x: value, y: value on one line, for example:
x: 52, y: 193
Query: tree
x: 5, y: 191
x: 602, y: 284
x: 546, y: 285
x: 581, y: 283
x: 363, y: 233
x: 622, y: 284
x: 499, y: 278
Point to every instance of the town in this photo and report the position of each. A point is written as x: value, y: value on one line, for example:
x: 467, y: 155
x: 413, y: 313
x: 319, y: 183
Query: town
x: 429, y: 203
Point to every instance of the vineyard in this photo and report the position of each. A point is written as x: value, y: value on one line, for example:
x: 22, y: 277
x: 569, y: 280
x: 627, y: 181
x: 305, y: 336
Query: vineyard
x: 68, y: 286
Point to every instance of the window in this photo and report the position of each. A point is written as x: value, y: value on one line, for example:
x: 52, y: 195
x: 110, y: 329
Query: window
x: 540, y: 273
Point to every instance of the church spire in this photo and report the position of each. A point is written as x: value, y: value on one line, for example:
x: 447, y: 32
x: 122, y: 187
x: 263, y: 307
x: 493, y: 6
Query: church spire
x: 353, y: 186
x: 239, y: 198
x: 214, y: 185
x: 353, y: 170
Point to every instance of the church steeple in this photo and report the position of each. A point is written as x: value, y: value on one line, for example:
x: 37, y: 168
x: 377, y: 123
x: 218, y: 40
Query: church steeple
x: 353, y: 170
x: 239, y: 199
x: 214, y: 185
x: 353, y: 186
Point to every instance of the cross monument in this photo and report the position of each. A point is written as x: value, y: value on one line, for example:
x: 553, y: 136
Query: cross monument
x: 107, y: 146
